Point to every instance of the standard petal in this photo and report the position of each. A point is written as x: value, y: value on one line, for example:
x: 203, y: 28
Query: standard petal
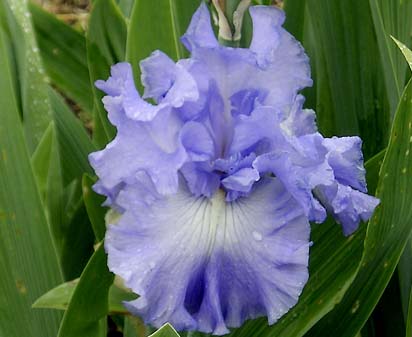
x: 263, y: 123
x: 245, y: 101
x: 200, y: 32
x: 208, y: 265
x: 267, y: 30
x: 348, y: 206
x: 197, y: 141
x: 167, y: 82
x: 235, y: 70
x: 122, y: 97
x: 158, y: 72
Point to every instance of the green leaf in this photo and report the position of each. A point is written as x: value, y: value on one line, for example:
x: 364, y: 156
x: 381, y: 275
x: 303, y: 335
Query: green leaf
x: 295, y: 17
x: 41, y: 159
x: 165, y: 331
x: 405, y: 277
x: 333, y: 264
x: 407, y: 53
x: 64, y: 54
x: 27, y: 257
x: 372, y: 171
x: 126, y: 7
x: 77, y: 239
x: 350, y: 87
x: 409, y: 322
x: 60, y: 297
x: 133, y: 327
x: 89, y: 303
x: 405, y: 263
x: 31, y: 82
x: 117, y: 295
x: 157, y: 27
x: 57, y: 298
x: 47, y: 170
x: 387, y: 234
x: 106, y: 44
x: 95, y: 211
x: 74, y: 142
x: 69, y: 224
x: 392, y: 18
x: 58, y: 170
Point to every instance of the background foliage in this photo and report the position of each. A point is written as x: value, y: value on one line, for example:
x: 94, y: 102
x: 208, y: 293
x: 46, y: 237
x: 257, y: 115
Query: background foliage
x: 51, y: 222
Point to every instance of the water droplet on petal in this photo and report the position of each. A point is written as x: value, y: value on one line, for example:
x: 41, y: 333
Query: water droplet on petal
x: 257, y: 236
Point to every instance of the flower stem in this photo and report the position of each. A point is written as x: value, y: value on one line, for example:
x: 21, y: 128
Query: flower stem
x: 230, y: 18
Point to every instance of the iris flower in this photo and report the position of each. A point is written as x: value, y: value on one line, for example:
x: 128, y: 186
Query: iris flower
x: 216, y: 182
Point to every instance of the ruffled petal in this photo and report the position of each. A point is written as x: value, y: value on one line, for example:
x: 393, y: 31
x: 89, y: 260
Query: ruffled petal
x: 346, y: 158
x: 197, y: 141
x: 245, y: 101
x: 301, y: 165
x: 267, y: 23
x: 166, y: 81
x: 208, y: 265
x: 348, y: 206
x: 240, y: 182
x: 158, y: 73
x: 200, y: 178
x: 262, y: 124
x: 200, y: 32
x: 299, y: 121
x: 153, y: 147
x: 235, y: 70
x: 123, y: 97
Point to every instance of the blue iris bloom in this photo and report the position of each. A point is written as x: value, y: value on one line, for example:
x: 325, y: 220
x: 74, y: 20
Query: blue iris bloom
x: 216, y: 183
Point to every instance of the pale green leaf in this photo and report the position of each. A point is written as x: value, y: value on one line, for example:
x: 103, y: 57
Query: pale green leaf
x: 407, y: 53
x: 27, y: 256
x: 165, y: 331
x: 32, y: 87
x: 60, y: 297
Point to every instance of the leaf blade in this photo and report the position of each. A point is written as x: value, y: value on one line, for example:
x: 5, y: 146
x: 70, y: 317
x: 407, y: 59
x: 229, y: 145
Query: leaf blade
x: 64, y: 55
x: 146, y: 34
x: 83, y: 318
x: 26, y: 248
